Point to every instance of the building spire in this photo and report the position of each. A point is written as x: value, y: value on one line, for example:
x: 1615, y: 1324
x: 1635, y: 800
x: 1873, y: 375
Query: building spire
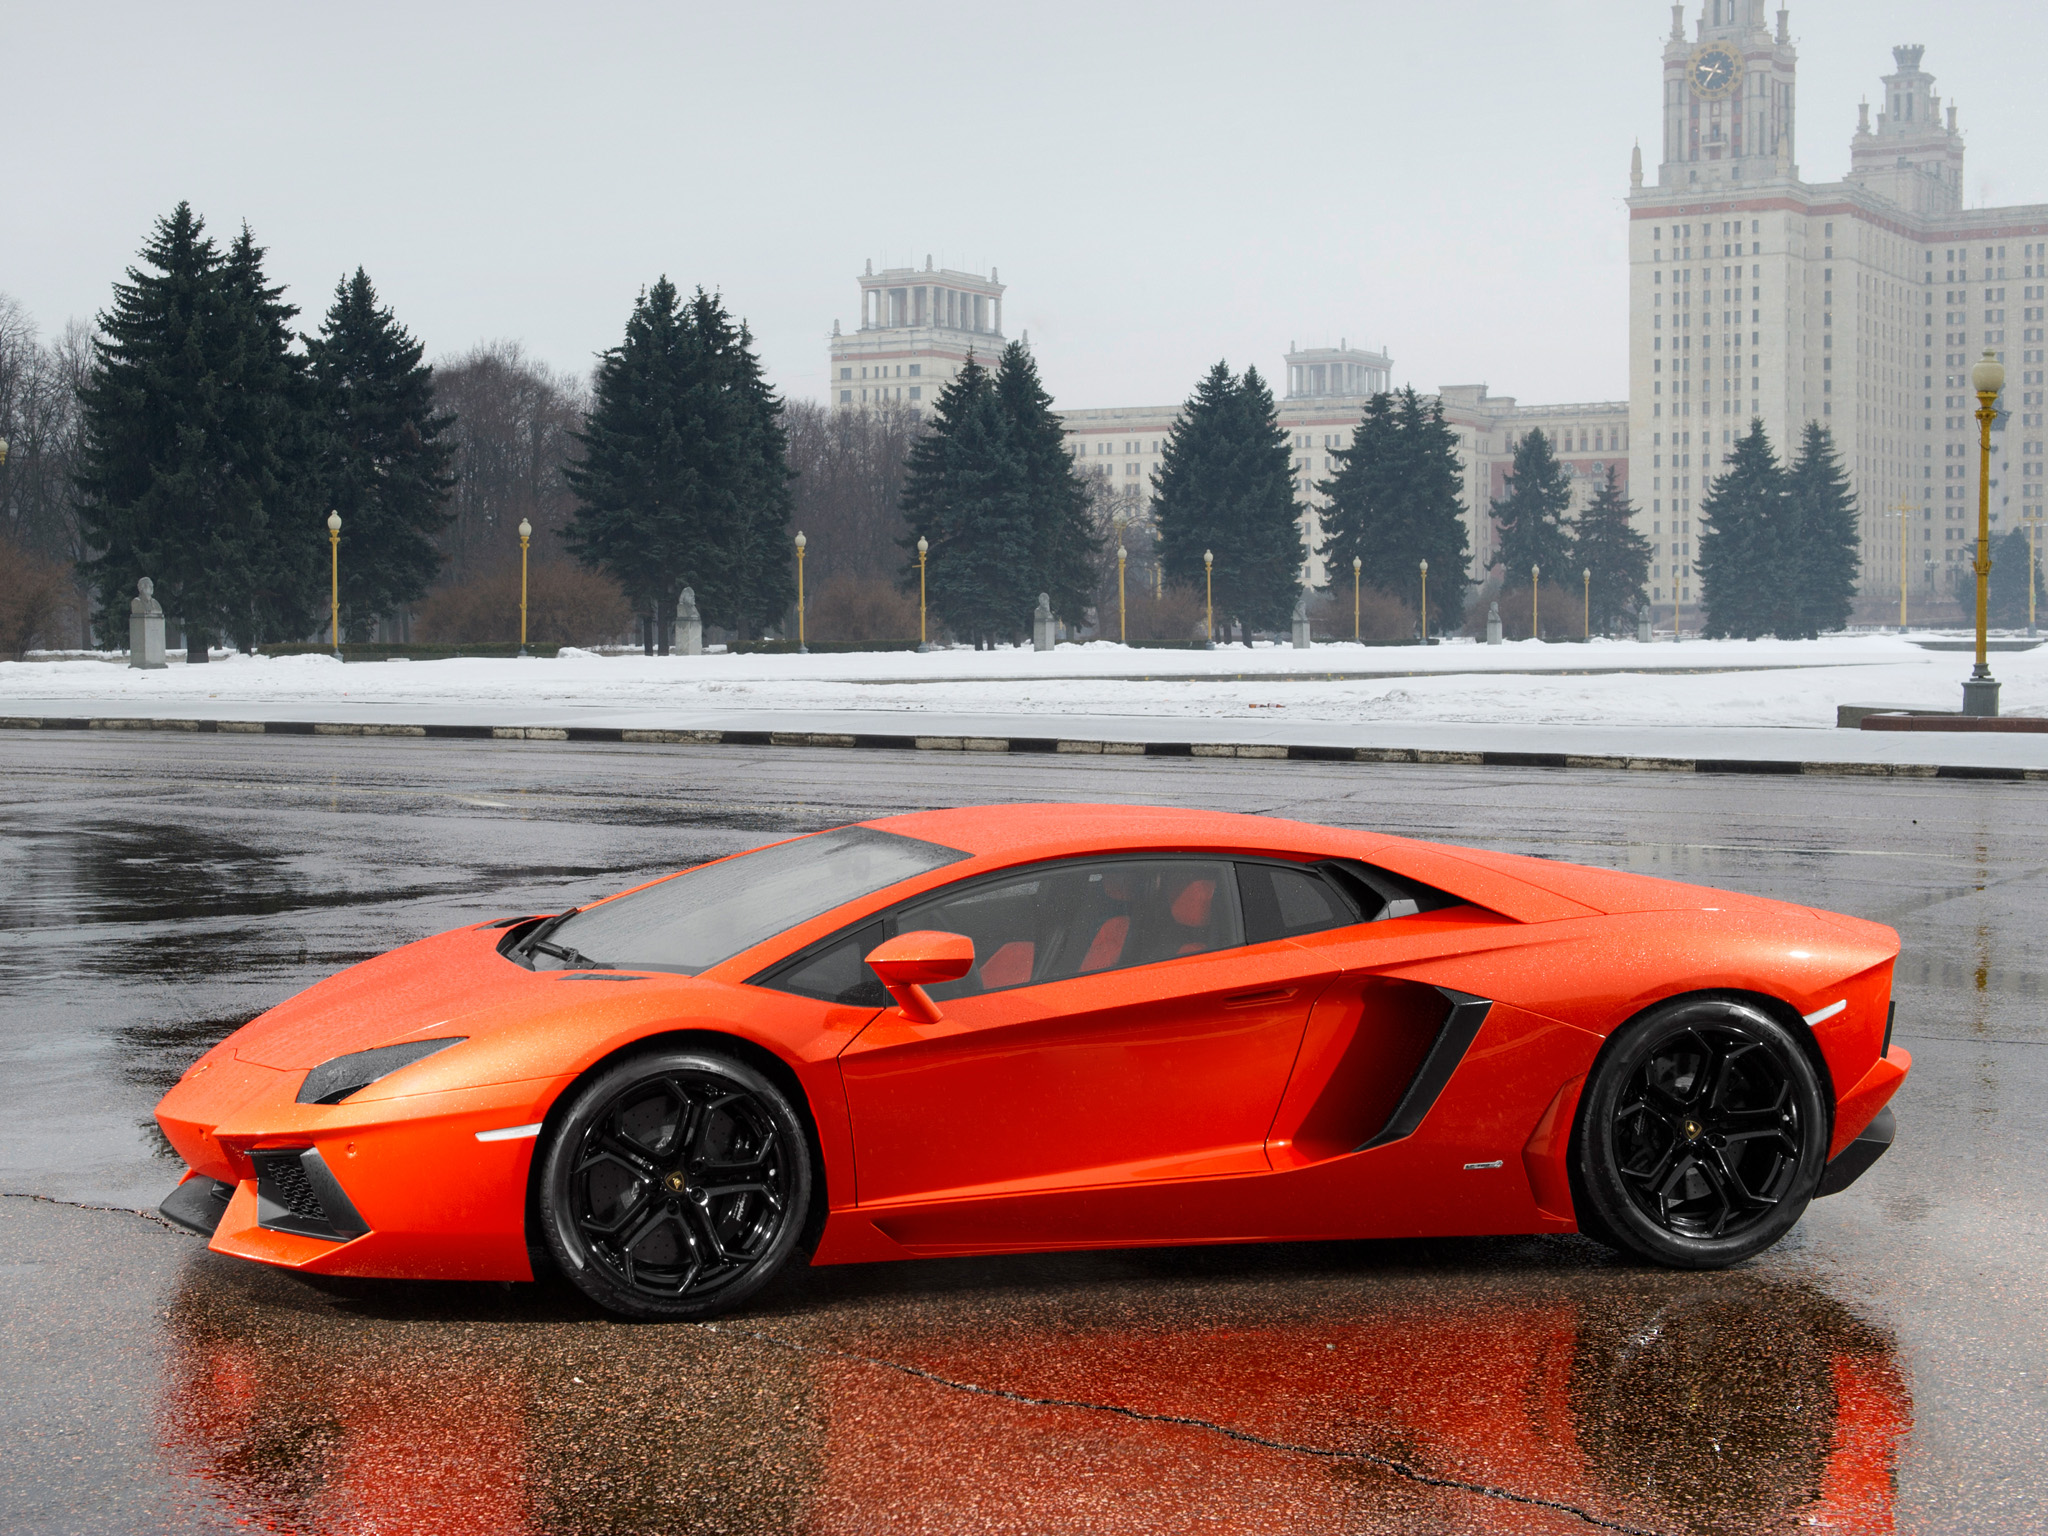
x: 1635, y: 165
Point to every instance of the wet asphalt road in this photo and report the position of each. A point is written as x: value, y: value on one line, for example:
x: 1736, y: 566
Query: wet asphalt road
x: 1882, y: 1369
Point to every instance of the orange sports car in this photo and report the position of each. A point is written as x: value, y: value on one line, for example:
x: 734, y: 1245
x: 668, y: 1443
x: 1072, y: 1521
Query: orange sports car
x: 1050, y: 1026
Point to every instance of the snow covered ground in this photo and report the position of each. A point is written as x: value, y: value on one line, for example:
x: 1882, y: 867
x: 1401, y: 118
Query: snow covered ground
x: 1695, y: 684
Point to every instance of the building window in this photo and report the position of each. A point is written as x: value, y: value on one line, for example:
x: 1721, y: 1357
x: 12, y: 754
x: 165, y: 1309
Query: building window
x: 846, y: 397
x: 916, y: 392
x: 846, y: 373
x: 916, y: 369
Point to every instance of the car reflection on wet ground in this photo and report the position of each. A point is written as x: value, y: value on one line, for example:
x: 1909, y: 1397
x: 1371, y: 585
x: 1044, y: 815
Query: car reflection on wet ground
x: 1872, y: 1374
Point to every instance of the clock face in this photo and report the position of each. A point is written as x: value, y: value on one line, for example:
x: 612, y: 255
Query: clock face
x: 1714, y: 71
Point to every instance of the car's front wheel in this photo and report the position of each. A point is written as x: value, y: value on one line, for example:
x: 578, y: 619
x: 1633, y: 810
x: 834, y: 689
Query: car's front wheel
x: 1702, y: 1135
x: 674, y: 1184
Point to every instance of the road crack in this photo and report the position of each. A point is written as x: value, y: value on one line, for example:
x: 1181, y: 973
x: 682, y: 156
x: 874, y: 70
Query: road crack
x: 1391, y: 1464
x: 86, y: 1205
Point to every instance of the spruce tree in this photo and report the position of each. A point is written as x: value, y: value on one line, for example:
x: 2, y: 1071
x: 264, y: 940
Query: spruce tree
x: 1065, y: 543
x: 383, y: 461
x: 646, y: 513
x: 2005, y: 596
x: 1747, y: 578
x: 194, y: 460
x: 1394, y: 503
x: 1226, y: 485
x: 1531, y: 514
x: 966, y: 493
x: 752, y: 581
x: 1607, y: 544
x: 1825, y: 550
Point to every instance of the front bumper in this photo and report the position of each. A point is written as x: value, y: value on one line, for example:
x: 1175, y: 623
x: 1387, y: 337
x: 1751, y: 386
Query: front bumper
x: 400, y: 1187
x: 1855, y: 1159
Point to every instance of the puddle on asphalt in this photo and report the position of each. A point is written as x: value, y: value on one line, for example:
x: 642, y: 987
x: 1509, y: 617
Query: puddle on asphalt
x: 1338, y: 1387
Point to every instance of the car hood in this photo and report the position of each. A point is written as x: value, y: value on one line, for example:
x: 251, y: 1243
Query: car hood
x: 452, y: 984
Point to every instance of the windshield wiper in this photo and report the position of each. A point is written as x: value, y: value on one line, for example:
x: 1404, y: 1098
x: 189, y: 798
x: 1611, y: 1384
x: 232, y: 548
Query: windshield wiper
x: 565, y: 953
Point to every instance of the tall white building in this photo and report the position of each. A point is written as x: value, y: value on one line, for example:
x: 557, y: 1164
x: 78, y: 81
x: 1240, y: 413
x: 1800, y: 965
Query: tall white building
x: 1859, y: 304
x: 916, y: 332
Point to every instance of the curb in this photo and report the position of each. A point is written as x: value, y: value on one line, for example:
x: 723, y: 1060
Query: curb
x: 1044, y: 744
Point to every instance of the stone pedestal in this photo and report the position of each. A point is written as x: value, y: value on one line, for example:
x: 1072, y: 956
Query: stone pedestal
x: 1643, y: 626
x: 145, y: 628
x: 689, y: 625
x: 1980, y: 696
x: 1044, y: 629
x: 1493, y: 623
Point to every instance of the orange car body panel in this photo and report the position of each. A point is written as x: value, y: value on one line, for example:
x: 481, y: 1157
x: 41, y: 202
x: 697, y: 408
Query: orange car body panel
x: 1220, y: 1097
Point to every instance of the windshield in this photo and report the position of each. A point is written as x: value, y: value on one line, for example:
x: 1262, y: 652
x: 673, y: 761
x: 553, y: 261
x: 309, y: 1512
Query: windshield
x: 691, y: 921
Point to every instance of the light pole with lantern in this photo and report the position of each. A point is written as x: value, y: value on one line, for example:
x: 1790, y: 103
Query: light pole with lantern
x: 802, y: 647
x: 1357, y: 565
x: 334, y: 581
x: 922, y: 548
x: 1209, y: 600
x: 1425, y: 601
x: 525, y: 533
x: 1535, y: 629
x: 1980, y: 691
x: 1123, y: 636
x: 1587, y: 572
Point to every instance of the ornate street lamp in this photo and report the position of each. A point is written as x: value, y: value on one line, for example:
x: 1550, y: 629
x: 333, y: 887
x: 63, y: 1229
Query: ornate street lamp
x: 1425, y: 602
x: 1535, y: 629
x: 1357, y: 565
x: 334, y: 581
x: 1123, y: 636
x: 1980, y: 692
x: 802, y: 647
x: 922, y: 548
x: 1209, y: 587
x: 525, y: 533
x: 1587, y: 572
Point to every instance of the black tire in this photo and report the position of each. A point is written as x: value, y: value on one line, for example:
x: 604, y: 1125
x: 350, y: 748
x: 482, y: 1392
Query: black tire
x: 1702, y: 1135
x: 674, y: 1185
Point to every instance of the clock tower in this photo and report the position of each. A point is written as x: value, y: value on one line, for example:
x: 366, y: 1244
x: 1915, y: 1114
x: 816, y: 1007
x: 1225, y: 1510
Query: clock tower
x: 1728, y: 97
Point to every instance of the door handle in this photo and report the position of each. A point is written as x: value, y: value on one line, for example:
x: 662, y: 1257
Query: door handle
x: 1253, y: 999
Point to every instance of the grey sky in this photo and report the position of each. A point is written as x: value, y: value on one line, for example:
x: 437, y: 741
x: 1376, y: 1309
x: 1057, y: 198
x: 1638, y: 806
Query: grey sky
x: 1160, y: 185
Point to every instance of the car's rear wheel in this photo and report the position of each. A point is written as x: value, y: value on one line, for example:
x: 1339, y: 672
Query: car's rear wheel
x: 674, y: 1184
x: 1702, y: 1135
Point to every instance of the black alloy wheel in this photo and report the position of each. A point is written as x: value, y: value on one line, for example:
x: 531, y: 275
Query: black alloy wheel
x: 1701, y: 1137
x: 674, y: 1185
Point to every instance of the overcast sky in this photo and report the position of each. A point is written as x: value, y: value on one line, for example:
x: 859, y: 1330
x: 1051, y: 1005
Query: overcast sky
x: 1160, y: 185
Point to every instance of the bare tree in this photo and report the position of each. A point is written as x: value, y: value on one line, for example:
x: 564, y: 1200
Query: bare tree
x: 39, y: 419
x: 513, y: 416
x: 849, y: 487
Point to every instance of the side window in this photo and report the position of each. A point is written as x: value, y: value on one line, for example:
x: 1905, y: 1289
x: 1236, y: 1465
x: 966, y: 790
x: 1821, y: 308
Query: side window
x: 838, y: 973
x: 1072, y: 920
x: 1281, y: 902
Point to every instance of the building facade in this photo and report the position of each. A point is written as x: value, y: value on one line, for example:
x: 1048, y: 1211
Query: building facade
x: 1327, y: 392
x: 917, y: 330
x: 1860, y: 304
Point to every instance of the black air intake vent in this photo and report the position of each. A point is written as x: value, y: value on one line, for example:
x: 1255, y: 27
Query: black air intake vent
x: 296, y: 1192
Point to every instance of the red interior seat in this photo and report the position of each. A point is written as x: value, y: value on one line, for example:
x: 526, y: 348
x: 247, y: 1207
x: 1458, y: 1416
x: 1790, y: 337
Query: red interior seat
x: 1009, y: 966
x: 1108, y: 947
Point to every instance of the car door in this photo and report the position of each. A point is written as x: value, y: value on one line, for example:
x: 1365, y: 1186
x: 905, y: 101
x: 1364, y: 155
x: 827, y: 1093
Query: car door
x: 1116, y: 1028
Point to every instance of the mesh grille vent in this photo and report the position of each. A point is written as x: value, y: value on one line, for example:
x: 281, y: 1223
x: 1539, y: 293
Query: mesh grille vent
x: 285, y: 1181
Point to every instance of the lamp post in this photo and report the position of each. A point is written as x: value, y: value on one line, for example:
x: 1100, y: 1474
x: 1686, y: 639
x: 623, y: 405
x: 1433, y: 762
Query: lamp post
x: 2033, y: 560
x: 334, y: 581
x: 1903, y: 512
x: 1980, y: 692
x: 1209, y: 597
x: 525, y: 533
x: 1425, y: 601
x: 1357, y: 565
x: 1123, y: 636
x: 1535, y: 629
x: 802, y: 648
x: 1587, y: 572
x: 922, y: 548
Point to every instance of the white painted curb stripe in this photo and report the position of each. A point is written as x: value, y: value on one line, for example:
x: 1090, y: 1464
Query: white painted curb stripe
x: 1827, y: 1013
x: 510, y: 1133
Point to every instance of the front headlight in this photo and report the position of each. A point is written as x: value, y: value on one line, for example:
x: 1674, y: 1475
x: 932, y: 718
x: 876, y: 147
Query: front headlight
x: 333, y: 1081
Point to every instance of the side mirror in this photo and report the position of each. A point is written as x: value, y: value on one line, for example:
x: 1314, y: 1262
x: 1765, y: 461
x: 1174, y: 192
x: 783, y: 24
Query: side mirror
x: 909, y: 960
